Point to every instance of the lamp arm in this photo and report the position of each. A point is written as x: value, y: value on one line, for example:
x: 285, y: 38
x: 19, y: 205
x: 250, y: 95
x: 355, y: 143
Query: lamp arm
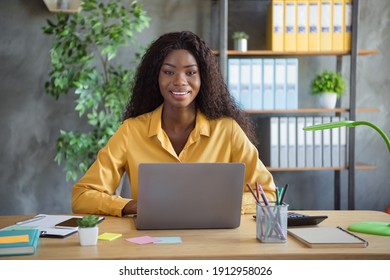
x: 384, y: 136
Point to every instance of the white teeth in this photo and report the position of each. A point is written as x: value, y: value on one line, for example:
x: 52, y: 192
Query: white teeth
x: 180, y: 93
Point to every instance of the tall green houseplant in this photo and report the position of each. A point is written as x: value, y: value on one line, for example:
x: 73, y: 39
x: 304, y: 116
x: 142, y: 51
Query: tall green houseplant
x: 83, y: 52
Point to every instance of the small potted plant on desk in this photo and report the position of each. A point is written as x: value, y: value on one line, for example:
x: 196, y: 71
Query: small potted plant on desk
x: 329, y: 86
x: 88, y: 230
x: 240, y: 41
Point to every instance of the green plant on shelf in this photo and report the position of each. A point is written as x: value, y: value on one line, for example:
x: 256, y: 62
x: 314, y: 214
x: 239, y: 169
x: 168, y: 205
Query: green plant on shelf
x: 328, y: 81
x: 240, y: 35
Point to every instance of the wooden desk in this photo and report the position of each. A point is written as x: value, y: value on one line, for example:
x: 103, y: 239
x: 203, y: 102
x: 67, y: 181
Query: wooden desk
x: 240, y: 243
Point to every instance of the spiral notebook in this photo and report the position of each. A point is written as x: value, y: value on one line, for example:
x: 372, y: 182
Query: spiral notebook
x: 327, y: 237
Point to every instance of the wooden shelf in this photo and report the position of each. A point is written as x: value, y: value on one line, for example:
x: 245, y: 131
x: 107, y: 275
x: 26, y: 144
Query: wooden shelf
x: 74, y: 6
x: 332, y: 168
x: 282, y: 53
x: 312, y: 110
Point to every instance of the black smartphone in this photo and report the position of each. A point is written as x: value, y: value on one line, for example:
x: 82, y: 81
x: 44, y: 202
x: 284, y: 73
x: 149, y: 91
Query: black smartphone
x: 69, y: 223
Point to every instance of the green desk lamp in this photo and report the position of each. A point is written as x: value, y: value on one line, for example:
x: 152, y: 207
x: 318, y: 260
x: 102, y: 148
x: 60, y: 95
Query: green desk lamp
x: 378, y: 228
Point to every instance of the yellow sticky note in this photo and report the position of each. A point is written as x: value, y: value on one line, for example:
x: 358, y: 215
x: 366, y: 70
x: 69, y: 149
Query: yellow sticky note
x: 14, y: 239
x: 109, y: 236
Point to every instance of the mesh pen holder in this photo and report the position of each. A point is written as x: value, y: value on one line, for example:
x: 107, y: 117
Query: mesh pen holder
x: 271, y: 222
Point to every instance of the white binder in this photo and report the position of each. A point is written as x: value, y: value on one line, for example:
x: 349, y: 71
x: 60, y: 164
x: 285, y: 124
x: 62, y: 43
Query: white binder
x: 317, y: 144
x: 326, y: 25
x: 290, y: 30
x: 274, y: 123
x: 343, y: 146
x: 302, y: 26
x: 326, y: 145
x: 268, y: 84
x: 292, y: 143
x: 335, y: 144
x: 283, y: 142
x: 257, y: 84
x: 245, y: 84
x: 301, y: 151
x: 280, y: 84
x: 234, y: 78
x: 292, y: 83
x: 309, y: 143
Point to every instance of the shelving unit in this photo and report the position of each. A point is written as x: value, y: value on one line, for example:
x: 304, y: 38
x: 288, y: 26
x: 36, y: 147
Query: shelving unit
x: 223, y: 54
x: 64, y: 6
x: 294, y: 54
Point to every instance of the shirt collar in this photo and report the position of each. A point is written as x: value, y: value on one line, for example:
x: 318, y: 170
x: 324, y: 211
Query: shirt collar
x: 202, y: 126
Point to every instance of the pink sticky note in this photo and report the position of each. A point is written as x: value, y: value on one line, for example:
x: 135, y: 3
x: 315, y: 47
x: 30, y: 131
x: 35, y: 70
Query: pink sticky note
x: 143, y: 239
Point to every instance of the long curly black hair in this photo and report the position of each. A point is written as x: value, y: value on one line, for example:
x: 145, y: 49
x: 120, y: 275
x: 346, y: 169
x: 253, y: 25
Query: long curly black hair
x: 213, y: 99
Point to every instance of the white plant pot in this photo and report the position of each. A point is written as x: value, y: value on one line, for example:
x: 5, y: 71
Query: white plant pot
x: 88, y: 236
x: 328, y: 100
x: 241, y: 45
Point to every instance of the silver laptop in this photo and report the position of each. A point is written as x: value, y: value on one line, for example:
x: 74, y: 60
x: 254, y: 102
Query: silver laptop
x: 189, y: 195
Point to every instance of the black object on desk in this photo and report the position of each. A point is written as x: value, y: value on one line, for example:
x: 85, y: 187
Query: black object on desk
x: 296, y: 219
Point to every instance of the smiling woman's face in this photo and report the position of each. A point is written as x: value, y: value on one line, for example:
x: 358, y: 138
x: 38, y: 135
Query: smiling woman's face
x: 179, y: 79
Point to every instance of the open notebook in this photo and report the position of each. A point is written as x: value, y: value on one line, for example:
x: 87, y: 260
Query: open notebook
x: 189, y: 195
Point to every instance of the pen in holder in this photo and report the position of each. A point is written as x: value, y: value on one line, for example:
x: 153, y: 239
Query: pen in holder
x: 271, y: 222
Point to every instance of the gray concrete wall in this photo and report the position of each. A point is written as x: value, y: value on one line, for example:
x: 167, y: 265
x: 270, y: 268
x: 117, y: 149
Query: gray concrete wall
x: 30, y: 120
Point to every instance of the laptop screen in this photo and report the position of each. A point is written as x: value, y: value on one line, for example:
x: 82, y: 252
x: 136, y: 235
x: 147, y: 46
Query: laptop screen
x: 189, y: 195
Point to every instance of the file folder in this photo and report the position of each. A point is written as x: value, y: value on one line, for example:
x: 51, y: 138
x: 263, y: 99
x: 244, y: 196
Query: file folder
x: 338, y: 25
x: 302, y: 20
x: 326, y: 25
x: 343, y: 146
x: 275, y: 26
x: 317, y: 144
x: 245, y: 84
x: 283, y: 142
x: 347, y: 24
x: 326, y: 145
x: 292, y: 83
x: 290, y: 30
x: 301, y: 151
x: 314, y: 25
x: 335, y: 143
x: 257, y: 84
x: 292, y: 142
x: 234, y: 78
x: 268, y: 84
x: 280, y: 83
x: 274, y: 122
x: 309, y: 143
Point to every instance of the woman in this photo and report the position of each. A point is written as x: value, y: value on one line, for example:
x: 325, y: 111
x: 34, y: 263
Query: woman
x: 180, y: 111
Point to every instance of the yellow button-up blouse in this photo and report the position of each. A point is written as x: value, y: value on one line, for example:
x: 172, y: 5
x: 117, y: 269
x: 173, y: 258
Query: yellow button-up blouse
x: 142, y: 139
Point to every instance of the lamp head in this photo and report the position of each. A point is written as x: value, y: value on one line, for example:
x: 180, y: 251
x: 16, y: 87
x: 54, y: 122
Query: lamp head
x: 330, y: 125
x: 347, y: 123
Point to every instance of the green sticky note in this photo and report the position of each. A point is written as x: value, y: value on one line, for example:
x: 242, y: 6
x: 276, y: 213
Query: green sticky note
x: 109, y: 236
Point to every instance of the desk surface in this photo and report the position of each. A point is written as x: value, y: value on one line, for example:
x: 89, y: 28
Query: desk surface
x: 239, y: 243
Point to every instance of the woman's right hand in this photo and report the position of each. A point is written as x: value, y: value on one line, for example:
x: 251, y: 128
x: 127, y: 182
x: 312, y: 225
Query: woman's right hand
x: 130, y: 208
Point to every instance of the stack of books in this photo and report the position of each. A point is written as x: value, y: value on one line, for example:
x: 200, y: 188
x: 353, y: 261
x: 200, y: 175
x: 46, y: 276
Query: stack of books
x: 284, y: 143
x: 264, y: 83
x: 19, y: 242
x: 309, y: 25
